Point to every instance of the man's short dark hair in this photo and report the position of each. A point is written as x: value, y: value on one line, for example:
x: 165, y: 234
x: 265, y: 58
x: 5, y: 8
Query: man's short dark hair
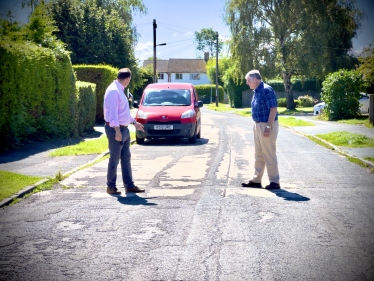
x: 123, y: 73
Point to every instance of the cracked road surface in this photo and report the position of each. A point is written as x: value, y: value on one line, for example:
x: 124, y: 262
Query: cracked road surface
x: 195, y: 222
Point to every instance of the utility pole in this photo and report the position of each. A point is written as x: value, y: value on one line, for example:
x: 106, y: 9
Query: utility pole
x: 154, y: 51
x: 217, y: 71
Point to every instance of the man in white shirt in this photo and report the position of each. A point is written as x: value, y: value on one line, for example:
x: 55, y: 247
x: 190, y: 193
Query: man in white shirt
x: 117, y: 119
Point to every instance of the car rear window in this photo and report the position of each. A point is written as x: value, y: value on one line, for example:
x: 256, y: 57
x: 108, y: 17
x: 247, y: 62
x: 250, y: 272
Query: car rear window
x: 168, y: 97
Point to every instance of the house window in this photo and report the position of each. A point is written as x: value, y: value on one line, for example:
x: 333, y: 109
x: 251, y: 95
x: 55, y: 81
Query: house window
x: 178, y: 76
x: 161, y: 76
x: 195, y: 76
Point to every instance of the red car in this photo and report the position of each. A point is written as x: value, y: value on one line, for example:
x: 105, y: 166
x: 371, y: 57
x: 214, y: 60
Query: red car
x: 169, y: 110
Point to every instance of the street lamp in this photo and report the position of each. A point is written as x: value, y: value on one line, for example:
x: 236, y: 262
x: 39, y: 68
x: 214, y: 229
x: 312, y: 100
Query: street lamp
x: 154, y: 50
x: 211, y: 83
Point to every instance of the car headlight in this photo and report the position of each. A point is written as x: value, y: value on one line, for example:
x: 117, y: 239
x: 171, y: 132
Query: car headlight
x: 187, y: 114
x: 141, y: 114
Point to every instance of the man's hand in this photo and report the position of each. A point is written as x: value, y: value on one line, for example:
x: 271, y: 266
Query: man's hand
x: 118, y: 134
x: 267, y: 132
x: 139, y: 127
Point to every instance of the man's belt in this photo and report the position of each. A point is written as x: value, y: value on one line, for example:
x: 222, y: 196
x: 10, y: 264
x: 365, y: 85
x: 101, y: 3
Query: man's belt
x: 121, y: 126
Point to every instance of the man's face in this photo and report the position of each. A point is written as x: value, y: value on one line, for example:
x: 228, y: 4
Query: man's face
x: 252, y: 83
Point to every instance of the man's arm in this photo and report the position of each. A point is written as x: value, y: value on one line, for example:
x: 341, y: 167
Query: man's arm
x: 272, y: 114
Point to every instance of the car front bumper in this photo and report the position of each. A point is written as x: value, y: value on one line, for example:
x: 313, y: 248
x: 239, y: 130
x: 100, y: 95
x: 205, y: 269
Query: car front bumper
x: 185, y: 130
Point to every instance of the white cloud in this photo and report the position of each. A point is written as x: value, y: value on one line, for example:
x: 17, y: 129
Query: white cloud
x: 174, y: 34
x: 189, y: 33
x: 144, y: 50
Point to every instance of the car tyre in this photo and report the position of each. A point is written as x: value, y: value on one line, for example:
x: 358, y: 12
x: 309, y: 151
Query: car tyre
x: 139, y: 140
x: 199, y: 134
x: 193, y: 139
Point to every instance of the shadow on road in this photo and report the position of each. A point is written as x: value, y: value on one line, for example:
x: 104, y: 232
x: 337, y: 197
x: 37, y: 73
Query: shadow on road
x: 289, y: 196
x: 134, y: 200
x: 174, y: 142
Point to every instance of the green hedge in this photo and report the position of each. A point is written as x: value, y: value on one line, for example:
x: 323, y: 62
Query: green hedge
x: 86, y: 107
x: 204, y: 92
x: 235, y: 91
x: 102, y: 76
x: 37, y: 91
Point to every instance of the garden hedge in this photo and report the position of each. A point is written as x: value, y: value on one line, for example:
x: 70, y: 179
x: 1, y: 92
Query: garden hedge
x: 37, y: 91
x: 204, y: 92
x: 299, y: 86
x: 102, y: 76
x: 86, y: 107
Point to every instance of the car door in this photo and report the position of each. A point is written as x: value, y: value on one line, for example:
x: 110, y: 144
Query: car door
x: 197, y: 109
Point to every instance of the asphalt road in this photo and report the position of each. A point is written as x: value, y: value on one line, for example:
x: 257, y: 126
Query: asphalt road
x: 195, y: 222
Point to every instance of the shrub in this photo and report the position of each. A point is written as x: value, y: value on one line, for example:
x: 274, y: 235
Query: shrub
x: 86, y: 107
x: 204, y: 92
x: 341, y: 93
x: 37, y: 93
x: 297, y: 85
x: 282, y: 102
x: 102, y: 76
x: 306, y: 101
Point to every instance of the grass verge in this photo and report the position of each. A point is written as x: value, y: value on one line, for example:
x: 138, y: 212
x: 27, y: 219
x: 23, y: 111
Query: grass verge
x: 285, y: 111
x: 358, y: 121
x: 221, y: 107
x: 11, y: 183
x: 292, y: 121
x: 347, y: 139
x: 369, y: 159
x: 99, y: 145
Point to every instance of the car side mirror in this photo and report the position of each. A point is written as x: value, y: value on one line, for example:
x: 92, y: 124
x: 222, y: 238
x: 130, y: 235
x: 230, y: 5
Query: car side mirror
x: 200, y: 103
x: 135, y: 104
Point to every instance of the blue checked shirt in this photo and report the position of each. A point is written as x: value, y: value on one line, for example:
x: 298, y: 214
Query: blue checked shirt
x: 263, y: 99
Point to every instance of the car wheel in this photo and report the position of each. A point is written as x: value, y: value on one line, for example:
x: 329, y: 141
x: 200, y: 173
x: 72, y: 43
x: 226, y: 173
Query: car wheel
x: 139, y: 140
x: 193, y: 139
x: 199, y: 134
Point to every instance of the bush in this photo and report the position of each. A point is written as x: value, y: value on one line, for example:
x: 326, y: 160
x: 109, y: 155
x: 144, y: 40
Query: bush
x: 86, y: 107
x: 297, y: 85
x: 282, y: 102
x: 341, y: 93
x: 102, y: 76
x: 37, y: 93
x: 204, y: 92
x: 306, y: 101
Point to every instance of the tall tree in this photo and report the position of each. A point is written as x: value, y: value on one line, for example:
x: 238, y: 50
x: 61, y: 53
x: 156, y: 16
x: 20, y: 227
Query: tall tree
x: 291, y: 37
x: 366, y: 66
x: 206, y: 40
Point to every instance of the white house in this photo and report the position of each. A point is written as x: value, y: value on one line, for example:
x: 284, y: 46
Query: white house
x: 181, y: 70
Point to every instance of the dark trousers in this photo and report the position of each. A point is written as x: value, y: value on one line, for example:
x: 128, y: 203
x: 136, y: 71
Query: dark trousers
x: 119, y: 151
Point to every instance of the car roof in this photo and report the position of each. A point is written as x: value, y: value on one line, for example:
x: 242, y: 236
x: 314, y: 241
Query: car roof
x: 170, y: 86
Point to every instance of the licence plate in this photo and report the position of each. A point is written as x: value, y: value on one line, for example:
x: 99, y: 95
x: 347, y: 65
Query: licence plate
x: 163, y: 127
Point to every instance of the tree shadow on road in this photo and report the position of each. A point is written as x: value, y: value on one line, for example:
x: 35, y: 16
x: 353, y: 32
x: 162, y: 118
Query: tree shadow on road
x: 289, y: 196
x: 134, y: 200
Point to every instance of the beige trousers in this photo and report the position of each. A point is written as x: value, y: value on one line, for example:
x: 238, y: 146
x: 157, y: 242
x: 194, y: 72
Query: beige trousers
x: 265, y: 152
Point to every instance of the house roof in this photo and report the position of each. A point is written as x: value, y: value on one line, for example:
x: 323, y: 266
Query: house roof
x: 179, y: 65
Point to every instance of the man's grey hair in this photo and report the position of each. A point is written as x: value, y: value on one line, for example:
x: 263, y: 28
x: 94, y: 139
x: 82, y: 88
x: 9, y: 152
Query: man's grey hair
x: 254, y: 74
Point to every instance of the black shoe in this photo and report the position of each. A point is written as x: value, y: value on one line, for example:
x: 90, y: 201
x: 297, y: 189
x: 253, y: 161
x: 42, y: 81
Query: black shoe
x: 135, y: 189
x: 113, y: 191
x: 252, y: 184
x: 273, y: 185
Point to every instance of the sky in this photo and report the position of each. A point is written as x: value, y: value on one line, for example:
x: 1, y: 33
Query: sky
x: 177, y: 22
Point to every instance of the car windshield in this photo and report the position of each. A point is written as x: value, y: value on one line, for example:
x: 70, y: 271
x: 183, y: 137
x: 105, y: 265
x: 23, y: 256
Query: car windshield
x: 167, y: 97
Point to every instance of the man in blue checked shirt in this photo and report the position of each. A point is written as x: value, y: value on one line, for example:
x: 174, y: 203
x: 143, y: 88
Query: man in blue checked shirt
x: 265, y: 129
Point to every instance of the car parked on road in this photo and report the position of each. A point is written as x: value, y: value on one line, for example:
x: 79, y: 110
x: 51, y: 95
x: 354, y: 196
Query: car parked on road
x: 364, y: 105
x: 169, y: 110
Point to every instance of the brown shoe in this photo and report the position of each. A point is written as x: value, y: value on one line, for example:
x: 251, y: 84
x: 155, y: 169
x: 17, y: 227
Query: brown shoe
x: 113, y: 191
x: 252, y: 184
x: 135, y: 189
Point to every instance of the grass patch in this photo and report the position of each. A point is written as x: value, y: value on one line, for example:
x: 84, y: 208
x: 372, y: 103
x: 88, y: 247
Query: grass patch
x: 292, y: 121
x: 221, y: 107
x: 244, y: 113
x: 369, y: 159
x: 11, y: 183
x: 99, y: 145
x: 358, y: 121
x: 283, y: 110
x: 342, y: 138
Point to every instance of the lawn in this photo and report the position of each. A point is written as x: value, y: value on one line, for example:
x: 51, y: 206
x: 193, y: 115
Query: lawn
x: 99, y: 145
x: 292, y: 121
x: 364, y: 120
x: 342, y: 138
x: 283, y: 110
x: 221, y: 107
x: 11, y: 183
